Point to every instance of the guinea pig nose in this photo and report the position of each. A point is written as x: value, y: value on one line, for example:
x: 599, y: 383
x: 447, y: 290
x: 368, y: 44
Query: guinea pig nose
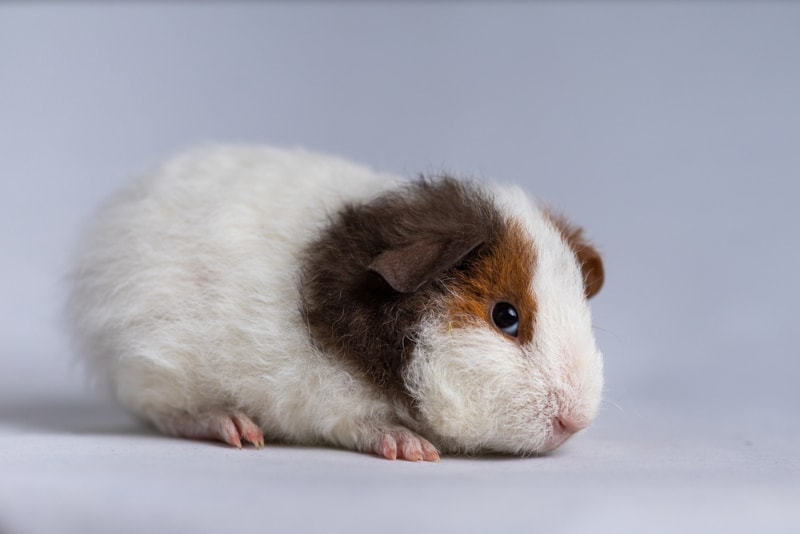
x: 566, y: 426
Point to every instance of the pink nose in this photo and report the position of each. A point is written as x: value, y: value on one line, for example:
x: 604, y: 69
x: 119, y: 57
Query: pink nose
x: 565, y: 425
x: 563, y: 428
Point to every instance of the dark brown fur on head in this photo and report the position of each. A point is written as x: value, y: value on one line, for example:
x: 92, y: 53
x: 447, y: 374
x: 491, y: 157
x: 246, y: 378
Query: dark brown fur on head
x: 379, y: 265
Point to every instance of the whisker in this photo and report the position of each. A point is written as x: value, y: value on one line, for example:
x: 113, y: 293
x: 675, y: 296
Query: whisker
x: 608, y: 401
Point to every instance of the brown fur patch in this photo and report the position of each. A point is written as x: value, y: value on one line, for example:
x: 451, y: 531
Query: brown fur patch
x: 588, y: 258
x: 362, y: 303
x: 502, y: 273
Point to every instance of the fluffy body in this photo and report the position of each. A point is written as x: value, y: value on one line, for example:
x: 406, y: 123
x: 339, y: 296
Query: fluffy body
x: 188, y: 303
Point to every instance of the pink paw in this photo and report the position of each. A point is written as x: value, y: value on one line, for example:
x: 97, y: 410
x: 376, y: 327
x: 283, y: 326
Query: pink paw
x: 231, y: 428
x: 405, y: 445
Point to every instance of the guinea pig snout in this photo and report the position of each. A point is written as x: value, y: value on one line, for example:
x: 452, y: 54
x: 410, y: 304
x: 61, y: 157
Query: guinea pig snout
x: 564, y: 426
x: 568, y: 416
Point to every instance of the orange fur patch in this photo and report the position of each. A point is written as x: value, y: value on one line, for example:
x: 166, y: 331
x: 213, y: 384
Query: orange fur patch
x: 503, y: 273
x: 588, y: 257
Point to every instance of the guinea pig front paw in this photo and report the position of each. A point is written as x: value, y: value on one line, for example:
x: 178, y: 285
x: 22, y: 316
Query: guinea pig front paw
x: 402, y: 443
x: 228, y: 427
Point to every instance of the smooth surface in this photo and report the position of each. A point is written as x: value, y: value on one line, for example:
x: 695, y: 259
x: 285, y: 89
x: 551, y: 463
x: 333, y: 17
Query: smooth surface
x: 669, y: 130
x: 77, y: 467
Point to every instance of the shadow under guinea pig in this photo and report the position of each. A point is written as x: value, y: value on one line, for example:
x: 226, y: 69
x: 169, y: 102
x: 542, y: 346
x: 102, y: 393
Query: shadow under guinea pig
x: 104, y: 417
x: 72, y: 415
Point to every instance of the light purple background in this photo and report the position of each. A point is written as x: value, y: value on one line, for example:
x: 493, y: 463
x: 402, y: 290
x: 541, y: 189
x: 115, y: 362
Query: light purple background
x: 671, y: 131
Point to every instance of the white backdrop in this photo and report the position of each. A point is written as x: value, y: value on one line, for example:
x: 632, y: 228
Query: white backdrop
x: 671, y: 131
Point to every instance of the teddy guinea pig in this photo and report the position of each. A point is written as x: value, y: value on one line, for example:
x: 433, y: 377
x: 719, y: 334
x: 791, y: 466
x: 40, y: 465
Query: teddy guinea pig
x: 242, y: 292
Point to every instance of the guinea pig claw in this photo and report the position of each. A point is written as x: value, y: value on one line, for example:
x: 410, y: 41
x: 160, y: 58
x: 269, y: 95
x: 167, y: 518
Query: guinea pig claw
x: 228, y: 427
x: 248, y: 430
x: 405, y: 445
x: 430, y: 454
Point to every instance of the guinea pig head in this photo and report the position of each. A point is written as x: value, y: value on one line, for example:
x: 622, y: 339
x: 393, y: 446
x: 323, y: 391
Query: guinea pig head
x: 470, y: 307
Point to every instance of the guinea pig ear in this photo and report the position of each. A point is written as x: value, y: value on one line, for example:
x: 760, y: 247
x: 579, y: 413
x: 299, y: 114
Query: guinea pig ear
x: 592, y: 269
x: 588, y: 258
x: 408, y: 268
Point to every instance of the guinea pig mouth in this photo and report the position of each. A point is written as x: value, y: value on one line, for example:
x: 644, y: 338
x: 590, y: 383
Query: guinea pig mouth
x: 563, y: 429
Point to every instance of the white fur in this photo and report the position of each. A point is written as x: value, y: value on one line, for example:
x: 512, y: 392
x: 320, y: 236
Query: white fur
x: 185, y: 300
x: 478, y: 390
x: 185, y: 293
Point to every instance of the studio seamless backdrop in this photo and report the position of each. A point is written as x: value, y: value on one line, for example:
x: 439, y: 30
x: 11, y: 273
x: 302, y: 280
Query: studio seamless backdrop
x: 668, y: 130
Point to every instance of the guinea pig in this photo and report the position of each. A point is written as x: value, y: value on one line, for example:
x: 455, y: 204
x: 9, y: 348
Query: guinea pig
x: 241, y: 292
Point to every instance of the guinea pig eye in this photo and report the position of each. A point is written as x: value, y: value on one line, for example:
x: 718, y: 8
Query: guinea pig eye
x: 505, y: 317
